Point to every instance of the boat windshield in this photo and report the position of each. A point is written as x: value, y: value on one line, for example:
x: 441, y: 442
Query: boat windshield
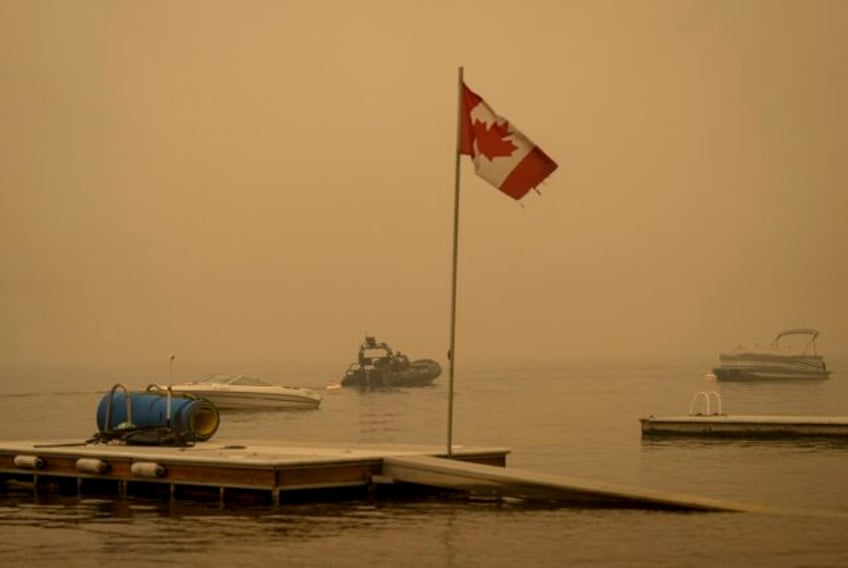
x: 376, y: 353
x: 241, y: 380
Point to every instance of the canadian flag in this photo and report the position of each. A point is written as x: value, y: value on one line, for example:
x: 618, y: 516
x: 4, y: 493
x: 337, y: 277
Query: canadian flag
x: 502, y: 155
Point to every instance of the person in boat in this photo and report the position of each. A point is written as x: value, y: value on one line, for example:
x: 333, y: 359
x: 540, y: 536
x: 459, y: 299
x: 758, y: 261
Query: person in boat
x: 394, y: 363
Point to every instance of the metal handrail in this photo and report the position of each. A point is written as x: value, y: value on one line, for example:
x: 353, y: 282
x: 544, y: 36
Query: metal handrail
x: 707, y: 396
x: 813, y: 333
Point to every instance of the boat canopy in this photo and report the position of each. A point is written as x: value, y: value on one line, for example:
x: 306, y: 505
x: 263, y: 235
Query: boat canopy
x: 775, y: 347
x: 799, y: 331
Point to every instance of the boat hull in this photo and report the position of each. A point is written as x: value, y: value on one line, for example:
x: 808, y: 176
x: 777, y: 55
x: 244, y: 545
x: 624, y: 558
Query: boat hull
x: 768, y: 366
x: 421, y: 372
x: 767, y: 374
x: 252, y: 401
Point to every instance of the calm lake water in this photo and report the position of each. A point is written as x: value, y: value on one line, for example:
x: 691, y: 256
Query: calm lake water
x: 572, y: 420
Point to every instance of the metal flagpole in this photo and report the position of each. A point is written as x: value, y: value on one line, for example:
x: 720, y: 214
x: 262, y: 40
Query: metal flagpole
x: 452, y: 350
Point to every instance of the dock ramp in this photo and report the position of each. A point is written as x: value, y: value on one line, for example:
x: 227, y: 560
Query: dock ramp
x: 497, y: 481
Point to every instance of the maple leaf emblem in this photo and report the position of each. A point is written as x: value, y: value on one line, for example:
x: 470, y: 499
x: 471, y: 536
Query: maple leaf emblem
x: 493, y: 139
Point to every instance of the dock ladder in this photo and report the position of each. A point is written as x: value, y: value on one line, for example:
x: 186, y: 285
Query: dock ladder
x: 706, y: 397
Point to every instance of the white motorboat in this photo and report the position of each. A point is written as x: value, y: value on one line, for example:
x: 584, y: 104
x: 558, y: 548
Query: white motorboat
x: 239, y: 392
x: 774, y: 361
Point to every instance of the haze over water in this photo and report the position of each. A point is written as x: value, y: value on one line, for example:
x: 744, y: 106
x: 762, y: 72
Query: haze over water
x: 268, y: 181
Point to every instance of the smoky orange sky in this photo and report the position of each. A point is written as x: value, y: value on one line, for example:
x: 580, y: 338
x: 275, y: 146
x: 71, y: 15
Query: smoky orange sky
x: 262, y: 181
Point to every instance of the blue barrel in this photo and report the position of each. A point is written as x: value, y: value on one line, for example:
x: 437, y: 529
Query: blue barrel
x: 190, y: 416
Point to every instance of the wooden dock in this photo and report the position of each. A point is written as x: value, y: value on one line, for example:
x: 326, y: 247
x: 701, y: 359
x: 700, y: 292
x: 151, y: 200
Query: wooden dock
x: 236, y: 469
x: 262, y: 472
x: 765, y: 426
x: 706, y: 419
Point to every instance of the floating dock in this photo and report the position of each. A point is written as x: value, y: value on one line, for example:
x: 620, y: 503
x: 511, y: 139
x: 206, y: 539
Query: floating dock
x: 709, y: 422
x: 768, y: 426
x: 262, y: 472
x: 235, y: 469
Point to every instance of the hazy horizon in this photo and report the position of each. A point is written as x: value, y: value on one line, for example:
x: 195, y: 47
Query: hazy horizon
x: 269, y: 181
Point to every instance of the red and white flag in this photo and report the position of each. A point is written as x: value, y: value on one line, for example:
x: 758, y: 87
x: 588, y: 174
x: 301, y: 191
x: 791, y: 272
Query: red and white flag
x: 502, y: 155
